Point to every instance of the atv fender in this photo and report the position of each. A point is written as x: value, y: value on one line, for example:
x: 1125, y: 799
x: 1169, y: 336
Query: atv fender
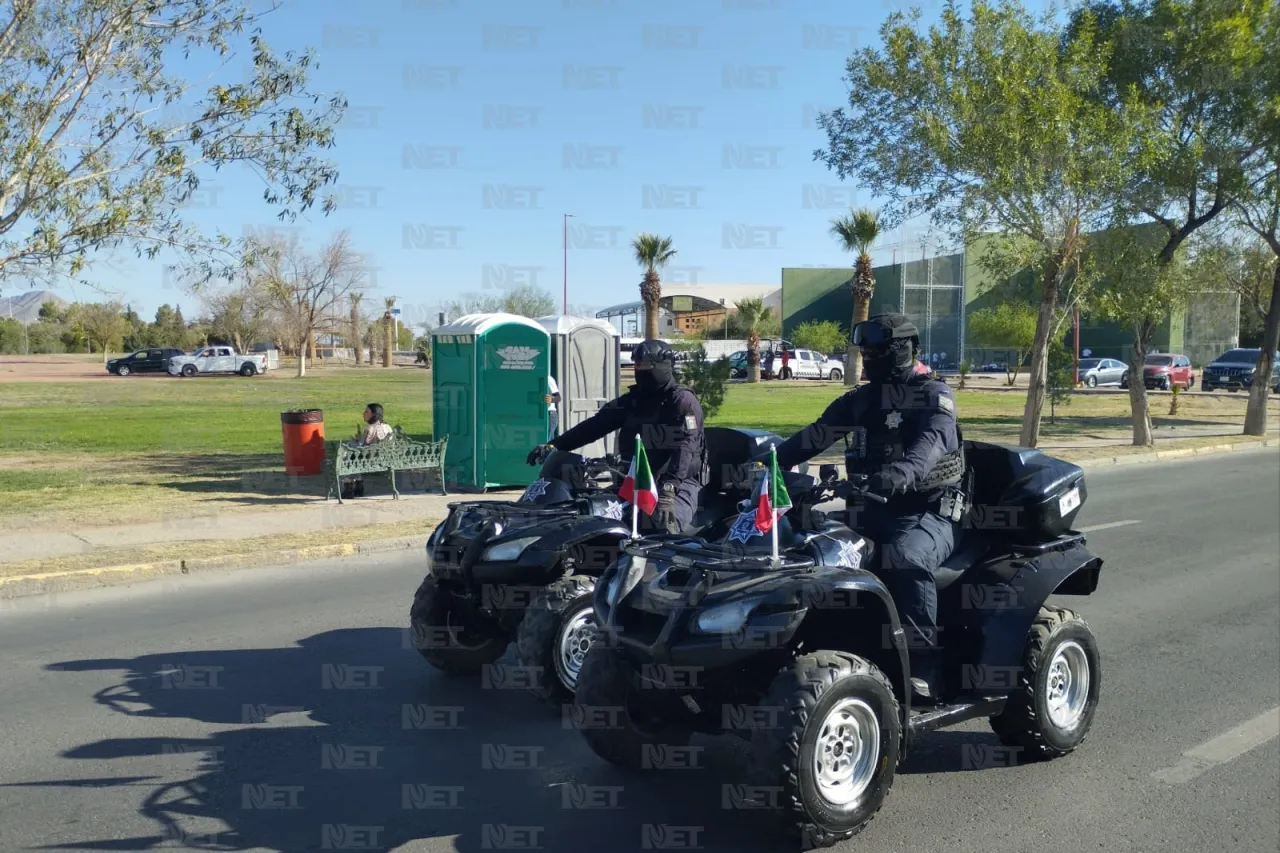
x: 846, y: 610
x: 590, y: 530
x: 1014, y: 605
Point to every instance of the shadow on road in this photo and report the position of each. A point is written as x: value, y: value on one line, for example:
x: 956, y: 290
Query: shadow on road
x: 349, y: 741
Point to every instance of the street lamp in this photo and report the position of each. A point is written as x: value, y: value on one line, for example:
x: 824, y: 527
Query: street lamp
x: 565, y: 308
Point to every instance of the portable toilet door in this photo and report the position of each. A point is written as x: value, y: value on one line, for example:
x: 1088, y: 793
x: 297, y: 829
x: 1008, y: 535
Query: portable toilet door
x: 510, y: 361
x: 586, y: 362
x: 453, y: 399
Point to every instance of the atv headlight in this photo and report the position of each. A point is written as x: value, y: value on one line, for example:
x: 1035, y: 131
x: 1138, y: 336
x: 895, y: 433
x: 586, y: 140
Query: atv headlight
x: 726, y: 618
x: 507, y: 551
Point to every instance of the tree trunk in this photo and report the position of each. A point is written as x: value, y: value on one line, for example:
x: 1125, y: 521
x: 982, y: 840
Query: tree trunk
x: 1039, y: 374
x: 355, y: 332
x: 1255, y: 419
x: 861, y: 310
x: 387, y: 344
x: 105, y: 356
x: 651, y: 322
x: 1139, y: 403
x: 311, y: 346
x: 753, y: 360
x: 302, y: 356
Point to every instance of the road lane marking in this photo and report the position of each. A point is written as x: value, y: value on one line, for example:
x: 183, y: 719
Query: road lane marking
x: 1093, y: 527
x: 1226, y: 746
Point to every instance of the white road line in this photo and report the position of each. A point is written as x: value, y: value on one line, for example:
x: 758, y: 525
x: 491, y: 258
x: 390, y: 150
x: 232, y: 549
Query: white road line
x: 1091, y: 528
x: 1223, y: 748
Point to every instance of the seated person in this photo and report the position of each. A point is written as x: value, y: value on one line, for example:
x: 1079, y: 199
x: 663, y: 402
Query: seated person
x: 375, y: 431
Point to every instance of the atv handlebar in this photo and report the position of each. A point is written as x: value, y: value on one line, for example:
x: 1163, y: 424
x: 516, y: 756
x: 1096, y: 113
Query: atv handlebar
x: 831, y: 487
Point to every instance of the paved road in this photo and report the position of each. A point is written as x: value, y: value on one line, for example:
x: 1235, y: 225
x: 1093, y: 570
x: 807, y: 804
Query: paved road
x: 131, y: 717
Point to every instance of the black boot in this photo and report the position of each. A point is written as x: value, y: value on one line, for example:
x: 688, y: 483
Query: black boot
x: 926, y: 675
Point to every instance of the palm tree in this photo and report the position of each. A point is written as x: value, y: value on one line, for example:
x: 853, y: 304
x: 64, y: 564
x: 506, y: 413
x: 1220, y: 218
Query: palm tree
x: 858, y: 232
x: 653, y: 253
x: 388, y: 344
x: 355, y: 324
x: 752, y: 313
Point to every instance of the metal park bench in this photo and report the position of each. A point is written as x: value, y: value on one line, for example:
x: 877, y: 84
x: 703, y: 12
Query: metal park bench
x: 396, y: 453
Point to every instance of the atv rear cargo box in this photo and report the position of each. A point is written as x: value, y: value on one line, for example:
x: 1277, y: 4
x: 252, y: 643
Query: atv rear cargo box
x: 1034, y: 497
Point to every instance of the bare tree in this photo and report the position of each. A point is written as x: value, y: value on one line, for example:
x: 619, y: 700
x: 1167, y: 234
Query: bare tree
x: 306, y: 287
x: 240, y: 314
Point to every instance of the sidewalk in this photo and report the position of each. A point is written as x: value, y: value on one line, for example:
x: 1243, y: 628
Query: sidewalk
x: 331, y: 515
x: 430, y: 509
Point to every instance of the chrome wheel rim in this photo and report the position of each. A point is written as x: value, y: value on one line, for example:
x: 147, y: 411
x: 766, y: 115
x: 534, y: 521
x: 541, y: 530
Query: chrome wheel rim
x: 572, y: 644
x: 1067, y: 686
x: 847, y: 752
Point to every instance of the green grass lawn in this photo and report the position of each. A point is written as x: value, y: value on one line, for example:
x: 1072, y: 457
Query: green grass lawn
x: 145, y: 448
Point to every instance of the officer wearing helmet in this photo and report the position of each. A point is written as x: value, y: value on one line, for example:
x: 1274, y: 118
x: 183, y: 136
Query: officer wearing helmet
x: 668, y: 418
x: 904, y: 437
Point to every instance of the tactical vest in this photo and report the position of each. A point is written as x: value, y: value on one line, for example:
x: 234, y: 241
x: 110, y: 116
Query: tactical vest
x: 874, y: 444
x: 659, y: 428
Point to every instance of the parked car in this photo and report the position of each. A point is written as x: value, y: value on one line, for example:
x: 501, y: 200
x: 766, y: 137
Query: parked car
x: 1165, y: 370
x: 808, y: 364
x: 1102, y: 371
x: 218, y: 359
x: 144, y: 361
x: 1235, y: 368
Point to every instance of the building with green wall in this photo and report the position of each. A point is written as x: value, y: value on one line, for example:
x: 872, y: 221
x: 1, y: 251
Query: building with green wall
x: 939, y: 292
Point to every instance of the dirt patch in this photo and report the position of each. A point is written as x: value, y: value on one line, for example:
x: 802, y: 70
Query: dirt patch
x: 52, y: 368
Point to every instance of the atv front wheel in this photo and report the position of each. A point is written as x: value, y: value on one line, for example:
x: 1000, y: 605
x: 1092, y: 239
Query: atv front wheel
x: 832, y: 748
x: 1052, y: 708
x: 446, y: 637
x: 620, y: 723
x: 554, y: 637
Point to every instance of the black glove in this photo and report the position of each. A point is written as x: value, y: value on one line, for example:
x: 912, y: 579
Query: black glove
x: 888, y: 481
x: 538, y: 454
x: 665, y: 515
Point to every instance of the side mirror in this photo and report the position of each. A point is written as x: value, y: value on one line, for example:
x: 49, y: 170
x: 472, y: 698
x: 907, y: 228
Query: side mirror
x: 827, y: 473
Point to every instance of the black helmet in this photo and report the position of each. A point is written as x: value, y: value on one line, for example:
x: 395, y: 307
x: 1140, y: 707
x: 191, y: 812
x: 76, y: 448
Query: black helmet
x: 653, y: 351
x: 889, y: 343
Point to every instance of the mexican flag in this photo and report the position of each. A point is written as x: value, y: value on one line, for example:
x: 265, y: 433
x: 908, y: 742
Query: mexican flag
x: 774, y: 499
x: 638, y: 488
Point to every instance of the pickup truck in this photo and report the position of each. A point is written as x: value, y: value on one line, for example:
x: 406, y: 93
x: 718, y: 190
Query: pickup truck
x: 217, y: 359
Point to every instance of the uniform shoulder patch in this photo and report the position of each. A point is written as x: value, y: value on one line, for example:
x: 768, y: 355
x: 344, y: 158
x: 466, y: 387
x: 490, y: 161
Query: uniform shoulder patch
x: 690, y: 422
x: 946, y: 404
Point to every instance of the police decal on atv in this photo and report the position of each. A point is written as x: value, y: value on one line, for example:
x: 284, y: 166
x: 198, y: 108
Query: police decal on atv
x: 536, y: 489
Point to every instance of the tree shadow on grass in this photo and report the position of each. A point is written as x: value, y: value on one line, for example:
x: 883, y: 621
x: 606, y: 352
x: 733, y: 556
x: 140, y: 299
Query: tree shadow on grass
x: 348, y: 738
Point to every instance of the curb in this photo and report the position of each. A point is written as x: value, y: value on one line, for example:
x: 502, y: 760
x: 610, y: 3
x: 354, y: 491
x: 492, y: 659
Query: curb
x: 1165, y: 455
x: 75, y: 580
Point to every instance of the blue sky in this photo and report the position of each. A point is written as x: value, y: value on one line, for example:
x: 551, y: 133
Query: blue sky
x: 475, y: 125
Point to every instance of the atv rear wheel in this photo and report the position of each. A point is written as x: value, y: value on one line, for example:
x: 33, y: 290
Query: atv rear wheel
x: 833, y: 751
x: 1052, y: 708
x: 554, y: 636
x: 635, y: 734
x: 447, y: 638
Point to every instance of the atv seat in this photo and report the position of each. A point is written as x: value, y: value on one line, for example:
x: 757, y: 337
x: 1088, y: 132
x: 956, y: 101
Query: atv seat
x: 969, y: 551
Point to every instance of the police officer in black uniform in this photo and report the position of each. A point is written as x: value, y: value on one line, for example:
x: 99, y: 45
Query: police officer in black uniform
x: 906, y: 440
x: 668, y: 418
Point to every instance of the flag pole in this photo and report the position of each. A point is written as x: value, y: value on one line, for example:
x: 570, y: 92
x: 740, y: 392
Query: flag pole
x: 635, y: 502
x: 773, y: 502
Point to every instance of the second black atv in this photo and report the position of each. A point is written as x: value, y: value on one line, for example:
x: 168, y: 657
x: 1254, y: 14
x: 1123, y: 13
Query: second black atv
x: 807, y: 660
x: 501, y: 571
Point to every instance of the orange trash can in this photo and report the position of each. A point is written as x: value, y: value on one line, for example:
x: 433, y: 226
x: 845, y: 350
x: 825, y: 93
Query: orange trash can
x: 303, y: 431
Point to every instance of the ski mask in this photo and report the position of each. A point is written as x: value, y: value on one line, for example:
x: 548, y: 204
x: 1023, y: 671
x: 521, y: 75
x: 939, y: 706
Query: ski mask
x: 661, y: 370
x: 888, y: 343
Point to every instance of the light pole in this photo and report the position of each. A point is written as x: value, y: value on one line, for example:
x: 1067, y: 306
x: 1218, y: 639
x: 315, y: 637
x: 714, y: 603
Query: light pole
x: 565, y: 307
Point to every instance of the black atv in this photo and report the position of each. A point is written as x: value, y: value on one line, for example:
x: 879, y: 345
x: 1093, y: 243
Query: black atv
x: 525, y: 570
x: 806, y: 658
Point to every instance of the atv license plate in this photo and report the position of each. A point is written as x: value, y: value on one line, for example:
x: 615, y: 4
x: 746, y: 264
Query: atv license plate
x: 1069, y: 501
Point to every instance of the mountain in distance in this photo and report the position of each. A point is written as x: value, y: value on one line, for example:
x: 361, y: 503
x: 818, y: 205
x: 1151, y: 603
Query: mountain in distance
x: 24, y: 306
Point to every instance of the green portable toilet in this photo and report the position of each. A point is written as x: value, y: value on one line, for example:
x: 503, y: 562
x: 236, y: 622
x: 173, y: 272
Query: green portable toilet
x: 489, y: 378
